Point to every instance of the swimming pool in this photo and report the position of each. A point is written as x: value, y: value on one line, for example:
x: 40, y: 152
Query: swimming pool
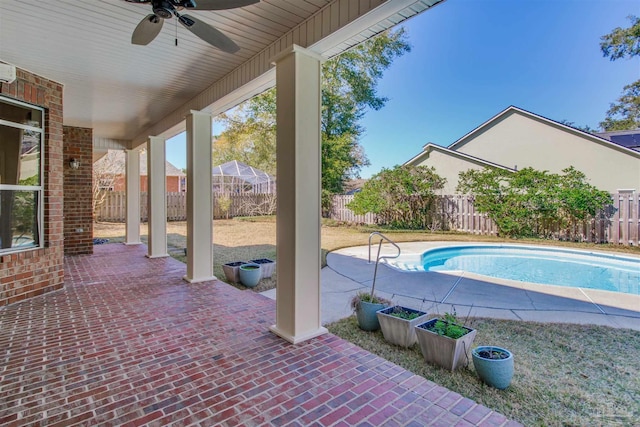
x: 548, y: 266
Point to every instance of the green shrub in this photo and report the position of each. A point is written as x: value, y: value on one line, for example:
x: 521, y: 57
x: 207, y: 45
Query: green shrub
x: 402, y: 197
x: 531, y: 203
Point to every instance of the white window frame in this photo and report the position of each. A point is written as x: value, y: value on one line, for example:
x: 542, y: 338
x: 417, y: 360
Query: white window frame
x: 38, y: 188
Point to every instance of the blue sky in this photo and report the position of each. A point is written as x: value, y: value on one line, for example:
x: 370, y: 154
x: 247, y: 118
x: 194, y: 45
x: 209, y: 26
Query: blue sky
x: 471, y: 59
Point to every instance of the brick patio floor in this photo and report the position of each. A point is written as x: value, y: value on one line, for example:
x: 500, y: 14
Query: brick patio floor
x: 128, y: 342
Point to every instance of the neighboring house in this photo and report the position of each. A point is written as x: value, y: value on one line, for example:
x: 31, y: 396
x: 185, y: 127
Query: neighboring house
x: 626, y: 138
x: 516, y: 139
x: 114, y: 163
x: 448, y: 164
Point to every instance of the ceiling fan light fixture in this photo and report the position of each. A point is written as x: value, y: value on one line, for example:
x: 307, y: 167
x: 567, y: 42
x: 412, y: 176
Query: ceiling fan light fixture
x: 163, y: 9
x: 150, y: 26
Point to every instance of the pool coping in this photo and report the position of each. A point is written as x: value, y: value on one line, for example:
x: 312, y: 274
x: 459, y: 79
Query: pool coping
x: 349, y: 272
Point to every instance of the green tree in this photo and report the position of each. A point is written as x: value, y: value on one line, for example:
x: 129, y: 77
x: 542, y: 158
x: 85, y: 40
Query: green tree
x: 625, y: 113
x: 514, y: 201
x: 250, y: 134
x: 349, y: 89
x: 531, y: 203
x: 623, y: 43
x: 578, y: 199
x: 402, y: 197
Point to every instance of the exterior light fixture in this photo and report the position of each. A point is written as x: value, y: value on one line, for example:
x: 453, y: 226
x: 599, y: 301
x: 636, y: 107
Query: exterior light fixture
x: 74, y: 163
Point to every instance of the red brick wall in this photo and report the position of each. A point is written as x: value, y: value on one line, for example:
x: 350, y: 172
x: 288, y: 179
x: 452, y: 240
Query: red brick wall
x: 173, y: 184
x: 78, y: 191
x: 119, y: 184
x: 30, y: 273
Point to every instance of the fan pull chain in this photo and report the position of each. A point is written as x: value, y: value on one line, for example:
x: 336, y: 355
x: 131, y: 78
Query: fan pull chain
x: 176, y: 32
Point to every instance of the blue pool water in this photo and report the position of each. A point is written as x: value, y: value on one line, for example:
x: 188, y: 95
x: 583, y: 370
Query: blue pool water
x: 540, y: 265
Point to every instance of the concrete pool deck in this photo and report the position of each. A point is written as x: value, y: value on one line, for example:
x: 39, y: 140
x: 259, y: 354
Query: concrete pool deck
x: 349, y: 272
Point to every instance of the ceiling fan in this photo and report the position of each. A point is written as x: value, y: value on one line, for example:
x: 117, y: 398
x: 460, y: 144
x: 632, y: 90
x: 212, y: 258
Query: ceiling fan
x: 150, y: 26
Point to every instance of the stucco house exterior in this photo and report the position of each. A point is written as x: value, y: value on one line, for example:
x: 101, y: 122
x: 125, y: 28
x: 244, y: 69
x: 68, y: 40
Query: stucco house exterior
x: 449, y: 163
x: 515, y: 139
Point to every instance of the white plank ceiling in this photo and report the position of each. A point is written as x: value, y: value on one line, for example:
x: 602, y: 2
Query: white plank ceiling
x: 119, y: 89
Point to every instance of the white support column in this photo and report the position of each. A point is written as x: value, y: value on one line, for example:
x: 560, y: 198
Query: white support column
x: 298, y: 176
x: 132, y: 189
x: 157, y: 197
x: 199, y: 199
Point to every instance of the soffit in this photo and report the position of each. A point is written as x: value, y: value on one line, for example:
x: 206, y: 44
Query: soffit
x: 121, y: 90
x: 117, y: 88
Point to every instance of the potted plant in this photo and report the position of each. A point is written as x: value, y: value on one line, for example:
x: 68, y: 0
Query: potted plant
x: 232, y: 270
x: 250, y: 274
x: 494, y: 365
x: 366, y: 305
x: 445, y: 342
x: 398, y: 324
x: 267, y: 266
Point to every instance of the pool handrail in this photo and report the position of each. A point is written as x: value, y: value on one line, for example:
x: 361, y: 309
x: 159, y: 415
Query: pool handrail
x: 382, y: 237
x: 378, y: 257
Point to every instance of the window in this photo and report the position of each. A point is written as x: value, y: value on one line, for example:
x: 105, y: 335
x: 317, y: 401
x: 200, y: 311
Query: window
x: 106, y: 184
x: 21, y: 175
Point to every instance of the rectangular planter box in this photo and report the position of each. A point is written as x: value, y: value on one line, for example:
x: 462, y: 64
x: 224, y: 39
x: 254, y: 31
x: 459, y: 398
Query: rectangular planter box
x: 267, y: 267
x: 442, y: 350
x: 400, y: 331
x: 232, y: 271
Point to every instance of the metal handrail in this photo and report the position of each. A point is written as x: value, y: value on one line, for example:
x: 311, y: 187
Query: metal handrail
x: 378, y: 257
x: 382, y: 237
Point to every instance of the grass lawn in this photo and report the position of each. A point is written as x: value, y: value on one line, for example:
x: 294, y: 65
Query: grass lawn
x: 565, y: 374
x: 243, y: 239
x: 233, y: 240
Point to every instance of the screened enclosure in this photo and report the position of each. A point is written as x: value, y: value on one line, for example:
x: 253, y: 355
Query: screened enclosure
x: 237, y: 177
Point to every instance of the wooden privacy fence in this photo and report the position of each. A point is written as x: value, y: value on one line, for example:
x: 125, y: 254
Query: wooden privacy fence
x: 224, y: 206
x: 454, y: 213
x: 458, y: 213
x: 340, y: 211
x: 625, y: 223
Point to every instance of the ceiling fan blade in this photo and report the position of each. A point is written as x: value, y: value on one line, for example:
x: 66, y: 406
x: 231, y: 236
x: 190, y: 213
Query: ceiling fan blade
x: 222, y: 4
x: 209, y: 34
x: 147, y: 30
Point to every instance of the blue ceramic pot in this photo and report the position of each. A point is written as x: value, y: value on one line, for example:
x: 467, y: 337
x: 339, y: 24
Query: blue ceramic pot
x: 366, y: 315
x: 494, y: 372
x: 250, y: 274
